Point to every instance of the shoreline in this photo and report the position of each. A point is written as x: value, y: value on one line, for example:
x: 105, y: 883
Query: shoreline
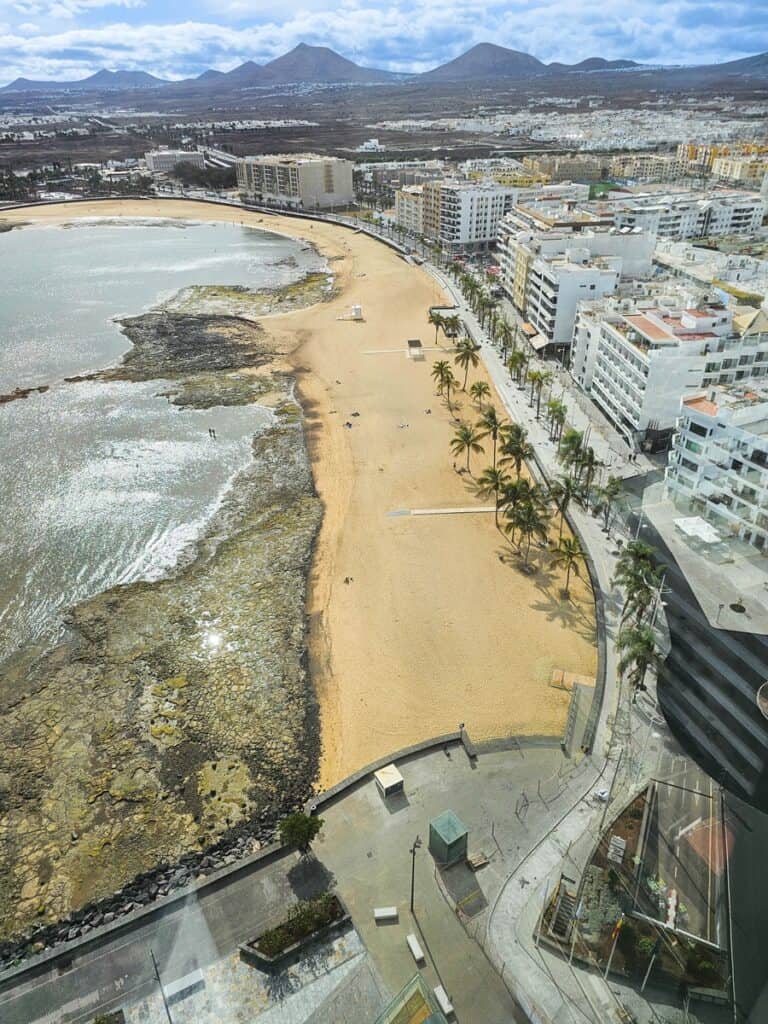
x: 433, y: 629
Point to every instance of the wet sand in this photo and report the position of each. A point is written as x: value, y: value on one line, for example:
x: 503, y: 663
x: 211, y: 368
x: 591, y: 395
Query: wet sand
x: 433, y: 629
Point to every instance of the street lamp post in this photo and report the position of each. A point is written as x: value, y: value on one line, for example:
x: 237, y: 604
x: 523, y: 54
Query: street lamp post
x: 414, y: 848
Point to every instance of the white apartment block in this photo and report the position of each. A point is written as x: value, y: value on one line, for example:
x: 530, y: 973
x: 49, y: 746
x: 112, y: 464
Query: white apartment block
x: 744, y: 277
x: 718, y: 464
x: 690, y: 215
x: 409, y: 209
x: 163, y: 161
x: 547, y: 273
x: 637, y: 359
x: 307, y: 181
x: 466, y: 214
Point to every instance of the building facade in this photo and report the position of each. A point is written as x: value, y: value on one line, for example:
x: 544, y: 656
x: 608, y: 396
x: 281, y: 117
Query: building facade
x: 637, y: 359
x: 307, y: 181
x: 718, y: 463
x: 691, y: 215
x: 409, y: 209
x: 163, y: 161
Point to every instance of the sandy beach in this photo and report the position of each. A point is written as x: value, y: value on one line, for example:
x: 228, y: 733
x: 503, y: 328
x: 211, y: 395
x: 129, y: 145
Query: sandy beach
x: 433, y: 628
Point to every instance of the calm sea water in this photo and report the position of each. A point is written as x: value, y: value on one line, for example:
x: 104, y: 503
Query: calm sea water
x: 105, y: 483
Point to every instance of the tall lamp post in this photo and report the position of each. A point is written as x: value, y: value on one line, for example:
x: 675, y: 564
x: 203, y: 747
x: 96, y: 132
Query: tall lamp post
x: 414, y: 848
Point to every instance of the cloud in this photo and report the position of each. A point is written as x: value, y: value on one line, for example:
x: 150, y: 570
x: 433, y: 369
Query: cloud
x: 394, y: 35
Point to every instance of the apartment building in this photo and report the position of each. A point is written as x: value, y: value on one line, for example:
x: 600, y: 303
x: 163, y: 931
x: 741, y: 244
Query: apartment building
x: 687, y: 214
x: 648, y: 166
x: 163, y: 161
x: 718, y: 463
x: 746, y: 170
x: 744, y: 277
x: 573, y: 167
x: 463, y: 215
x: 636, y: 358
x: 546, y: 272
x: 409, y: 209
x: 307, y: 181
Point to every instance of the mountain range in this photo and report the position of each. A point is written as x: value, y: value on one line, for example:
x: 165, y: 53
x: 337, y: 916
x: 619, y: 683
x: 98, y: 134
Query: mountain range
x: 321, y: 65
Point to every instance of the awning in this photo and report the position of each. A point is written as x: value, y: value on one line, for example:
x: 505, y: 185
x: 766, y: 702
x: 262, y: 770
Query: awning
x: 539, y: 342
x: 529, y: 329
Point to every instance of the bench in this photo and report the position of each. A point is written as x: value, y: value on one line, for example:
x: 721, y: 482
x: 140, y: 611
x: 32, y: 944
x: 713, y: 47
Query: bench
x: 385, y: 913
x: 416, y: 951
x: 443, y: 1001
x: 182, y: 985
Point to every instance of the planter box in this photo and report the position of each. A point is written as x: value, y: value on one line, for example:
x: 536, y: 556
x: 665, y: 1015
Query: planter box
x: 249, y: 954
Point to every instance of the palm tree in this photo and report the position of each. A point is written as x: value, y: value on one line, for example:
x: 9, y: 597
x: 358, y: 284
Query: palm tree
x: 466, y: 441
x: 516, y: 448
x: 568, y: 555
x: 492, y: 483
x: 449, y: 382
x: 557, y: 414
x: 531, y: 522
x: 490, y: 425
x: 638, y: 576
x: 452, y: 323
x: 466, y: 356
x: 589, y: 464
x: 637, y: 648
x: 479, y: 391
x: 436, y: 320
x: 516, y: 363
x: 561, y: 491
x: 534, y: 377
x: 569, y: 450
x: 439, y: 371
x: 608, y: 495
x: 506, y: 335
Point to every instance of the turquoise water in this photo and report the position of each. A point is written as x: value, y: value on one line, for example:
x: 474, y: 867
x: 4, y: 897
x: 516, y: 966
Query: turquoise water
x: 105, y: 483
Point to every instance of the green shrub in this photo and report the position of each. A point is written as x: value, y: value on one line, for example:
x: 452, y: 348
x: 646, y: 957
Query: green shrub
x: 307, y: 916
x: 646, y: 945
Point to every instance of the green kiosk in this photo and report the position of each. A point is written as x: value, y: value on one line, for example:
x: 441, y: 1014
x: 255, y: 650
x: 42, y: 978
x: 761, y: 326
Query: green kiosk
x: 448, y: 837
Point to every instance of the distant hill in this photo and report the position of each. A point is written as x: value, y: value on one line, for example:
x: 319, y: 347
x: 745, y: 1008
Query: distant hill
x: 486, y: 61
x: 318, y: 64
x: 101, y: 80
x: 747, y: 65
x: 595, y: 64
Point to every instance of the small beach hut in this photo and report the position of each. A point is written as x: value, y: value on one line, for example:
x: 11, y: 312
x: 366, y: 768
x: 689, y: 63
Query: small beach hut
x: 389, y: 780
x: 448, y: 838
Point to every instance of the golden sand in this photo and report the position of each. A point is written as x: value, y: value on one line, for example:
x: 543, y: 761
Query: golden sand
x: 434, y: 628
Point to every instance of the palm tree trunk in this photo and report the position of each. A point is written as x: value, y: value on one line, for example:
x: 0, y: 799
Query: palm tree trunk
x: 567, y: 576
x: 562, y: 521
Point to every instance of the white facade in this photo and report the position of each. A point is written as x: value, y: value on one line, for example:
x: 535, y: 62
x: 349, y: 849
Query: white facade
x: 686, y: 215
x: 636, y: 360
x: 718, y: 463
x: 409, y: 209
x: 546, y: 273
x: 308, y: 181
x: 163, y: 161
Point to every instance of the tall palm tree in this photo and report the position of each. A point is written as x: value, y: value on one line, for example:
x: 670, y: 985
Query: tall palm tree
x: 452, y: 323
x: 557, y: 412
x: 437, y: 321
x: 492, y: 483
x: 466, y: 442
x: 637, y: 649
x: 479, y: 392
x: 638, y: 576
x: 587, y: 470
x: 466, y: 356
x: 516, y: 363
x: 531, y: 522
x: 534, y: 377
x: 450, y: 383
x: 490, y: 425
x: 517, y: 449
x: 516, y: 493
x: 608, y: 496
x: 505, y: 334
x: 568, y: 555
x: 439, y: 370
x: 560, y: 492
x: 569, y: 450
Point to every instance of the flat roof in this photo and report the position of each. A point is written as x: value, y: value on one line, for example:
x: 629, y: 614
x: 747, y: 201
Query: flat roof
x: 649, y: 328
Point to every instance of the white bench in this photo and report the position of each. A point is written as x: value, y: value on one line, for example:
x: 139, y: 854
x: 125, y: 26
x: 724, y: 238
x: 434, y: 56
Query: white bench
x: 416, y: 951
x: 385, y: 913
x: 189, y: 981
x: 443, y: 1001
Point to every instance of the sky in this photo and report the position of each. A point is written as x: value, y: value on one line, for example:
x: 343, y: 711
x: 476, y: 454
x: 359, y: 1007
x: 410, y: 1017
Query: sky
x: 68, y: 39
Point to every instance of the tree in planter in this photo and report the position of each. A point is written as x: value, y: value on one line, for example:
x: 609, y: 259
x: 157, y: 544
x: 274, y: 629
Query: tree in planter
x: 299, y: 830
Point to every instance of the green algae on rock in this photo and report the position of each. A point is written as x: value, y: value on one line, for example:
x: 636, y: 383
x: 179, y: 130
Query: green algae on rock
x: 177, y: 711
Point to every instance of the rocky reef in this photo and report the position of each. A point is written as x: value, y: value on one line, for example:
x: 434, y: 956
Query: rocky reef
x: 178, y: 717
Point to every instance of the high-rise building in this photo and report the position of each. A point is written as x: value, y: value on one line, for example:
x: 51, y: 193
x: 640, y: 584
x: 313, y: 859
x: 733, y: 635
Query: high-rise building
x: 163, y: 161
x: 305, y: 181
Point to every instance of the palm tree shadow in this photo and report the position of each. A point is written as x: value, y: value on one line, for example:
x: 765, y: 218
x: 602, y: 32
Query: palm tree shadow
x: 568, y: 615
